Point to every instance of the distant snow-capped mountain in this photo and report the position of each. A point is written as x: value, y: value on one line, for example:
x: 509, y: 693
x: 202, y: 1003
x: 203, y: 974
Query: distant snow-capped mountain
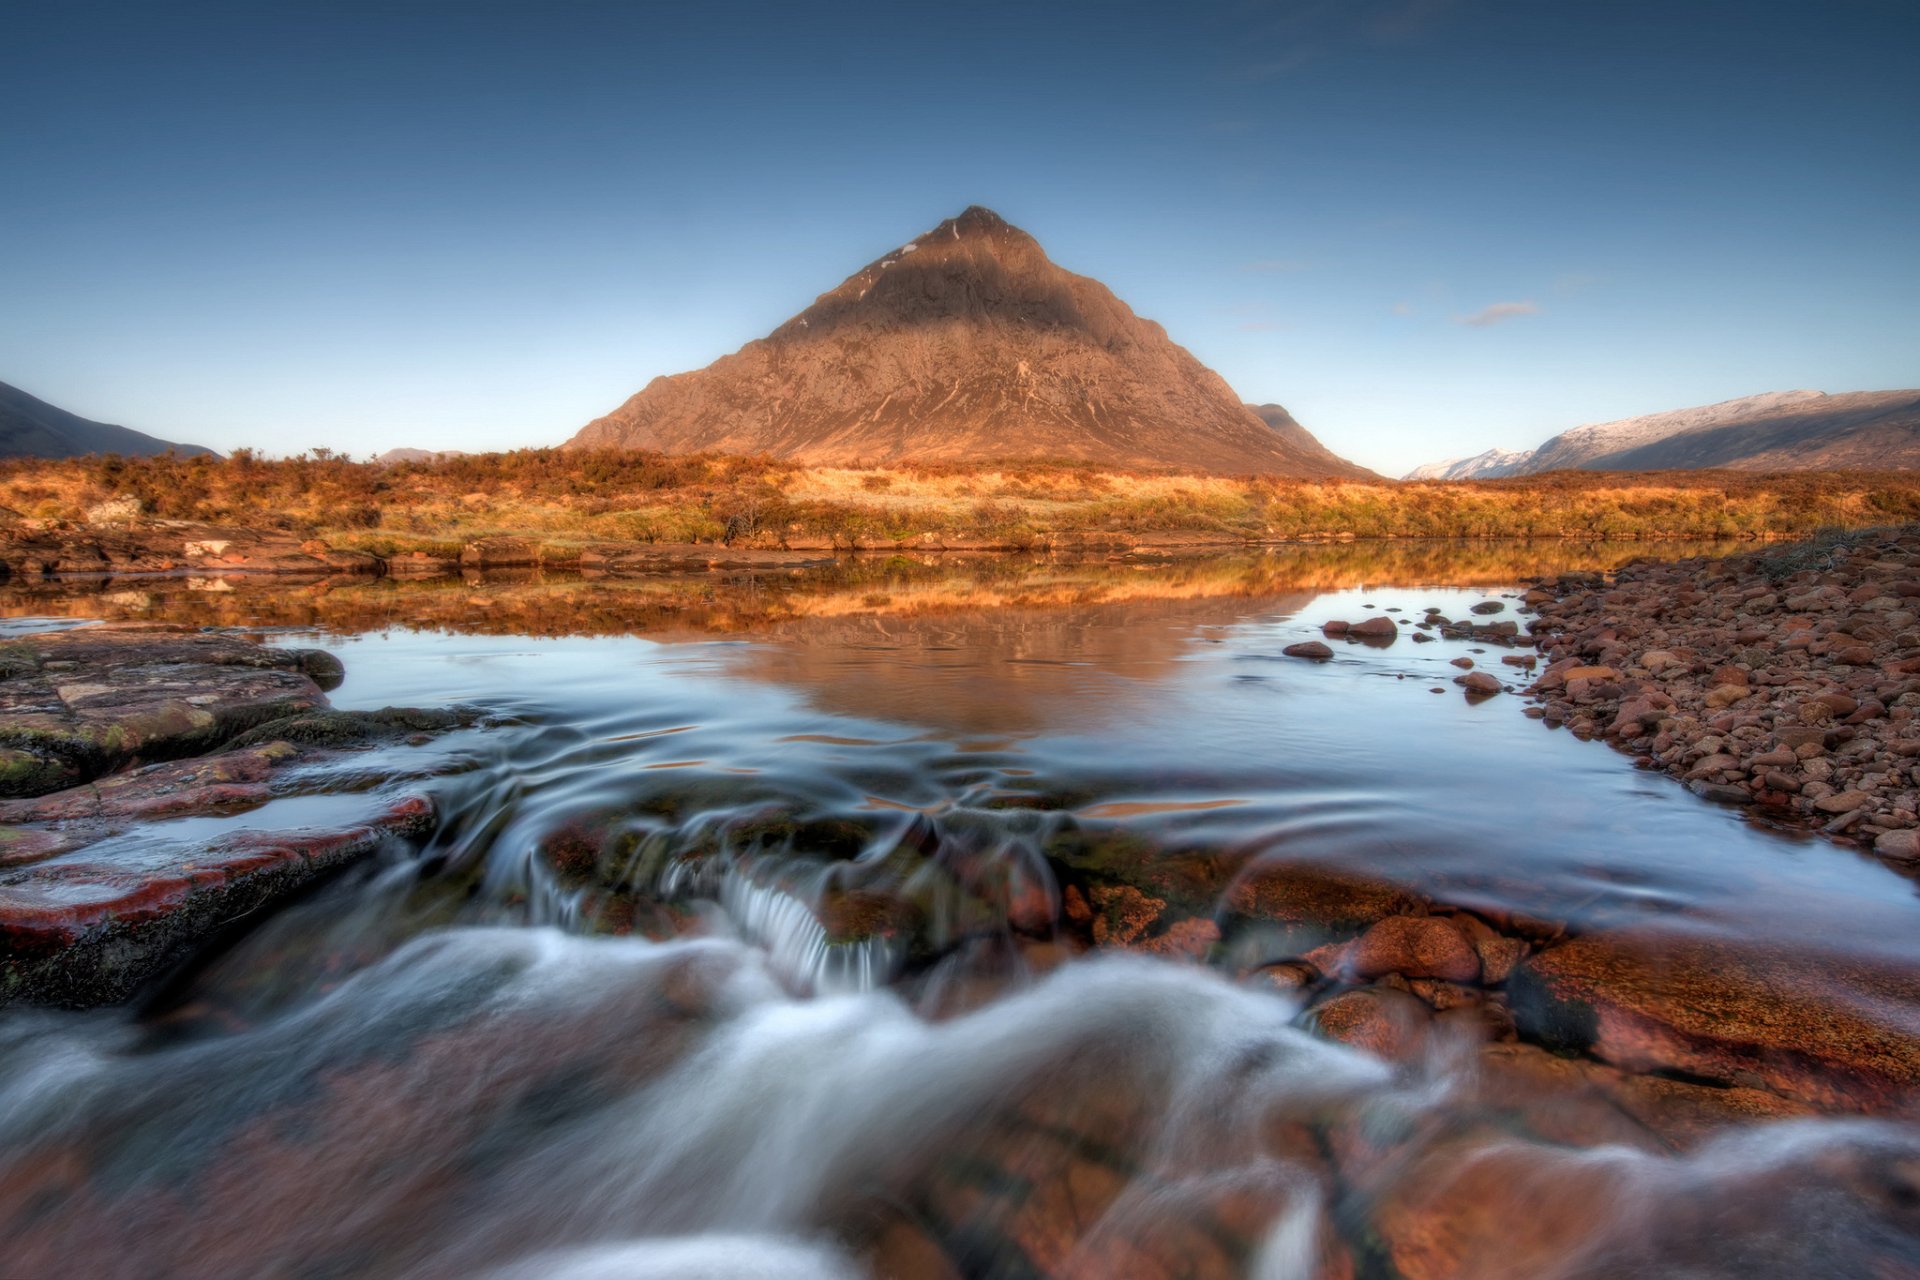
x: 1775, y: 431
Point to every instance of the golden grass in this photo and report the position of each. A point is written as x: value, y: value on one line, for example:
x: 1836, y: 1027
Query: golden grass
x: 568, y: 499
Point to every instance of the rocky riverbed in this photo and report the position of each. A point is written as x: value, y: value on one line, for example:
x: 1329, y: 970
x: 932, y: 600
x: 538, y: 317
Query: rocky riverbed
x: 1063, y: 975
x: 127, y: 754
x: 1786, y: 679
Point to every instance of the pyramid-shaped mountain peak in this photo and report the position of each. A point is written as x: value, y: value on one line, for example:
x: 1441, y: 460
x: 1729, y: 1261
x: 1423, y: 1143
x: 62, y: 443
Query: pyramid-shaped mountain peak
x: 966, y: 343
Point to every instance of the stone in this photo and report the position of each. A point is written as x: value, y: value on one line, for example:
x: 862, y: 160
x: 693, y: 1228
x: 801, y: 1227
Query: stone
x: 1841, y: 802
x: 1488, y: 606
x: 1312, y: 649
x: 1825, y: 1031
x: 86, y: 702
x: 1380, y: 628
x: 1314, y: 901
x: 1391, y: 1024
x: 1415, y: 947
x: 1903, y: 844
x: 1478, y: 684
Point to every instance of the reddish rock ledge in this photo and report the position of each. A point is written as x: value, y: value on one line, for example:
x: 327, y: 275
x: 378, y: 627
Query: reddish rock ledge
x: 100, y: 887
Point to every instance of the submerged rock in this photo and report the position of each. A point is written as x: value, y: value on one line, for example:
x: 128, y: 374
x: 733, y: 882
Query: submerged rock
x: 1741, y: 1013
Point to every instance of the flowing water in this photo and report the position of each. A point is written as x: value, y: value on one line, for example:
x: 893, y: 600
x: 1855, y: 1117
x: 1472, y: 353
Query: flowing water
x: 754, y: 943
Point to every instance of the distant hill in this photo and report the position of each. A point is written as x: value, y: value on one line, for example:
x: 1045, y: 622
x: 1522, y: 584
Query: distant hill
x: 966, y: 343
x: 393, y: 457
x: 1304, y: 442
x: 1777, y: 431
x: 32, y: 428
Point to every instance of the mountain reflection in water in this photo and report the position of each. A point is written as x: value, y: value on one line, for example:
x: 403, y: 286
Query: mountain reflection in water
x: 751, y: 948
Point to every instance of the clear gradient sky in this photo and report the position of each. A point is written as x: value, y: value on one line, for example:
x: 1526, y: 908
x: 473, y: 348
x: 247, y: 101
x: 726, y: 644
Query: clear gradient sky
x: 1426, y: 226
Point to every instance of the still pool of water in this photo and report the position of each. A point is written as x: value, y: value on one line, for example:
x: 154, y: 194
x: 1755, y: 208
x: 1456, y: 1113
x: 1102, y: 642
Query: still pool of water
x: 736, y: 953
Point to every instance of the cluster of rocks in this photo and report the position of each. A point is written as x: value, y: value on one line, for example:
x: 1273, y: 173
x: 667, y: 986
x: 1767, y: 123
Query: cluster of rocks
x: 1547, y: 1042
x: 1381, y: 630
x: 108, y: 735
x: 1788, y: 680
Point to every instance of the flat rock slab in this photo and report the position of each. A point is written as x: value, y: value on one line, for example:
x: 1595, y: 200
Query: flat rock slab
x: 1831, y: 1032
x: 75, y: 705
x: 89, y: 925
x: 181, y: 788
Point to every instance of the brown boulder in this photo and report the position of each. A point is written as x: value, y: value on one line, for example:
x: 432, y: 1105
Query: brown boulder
x: 1308, y: 649
x: 1415, y: 947
x: 1380, y: 628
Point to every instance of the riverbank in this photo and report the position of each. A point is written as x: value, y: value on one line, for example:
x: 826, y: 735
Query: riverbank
x: 1785, y: 679
x: 587, y: 509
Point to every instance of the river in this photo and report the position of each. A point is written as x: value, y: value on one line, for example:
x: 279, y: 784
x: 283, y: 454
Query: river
x: 892, y: 919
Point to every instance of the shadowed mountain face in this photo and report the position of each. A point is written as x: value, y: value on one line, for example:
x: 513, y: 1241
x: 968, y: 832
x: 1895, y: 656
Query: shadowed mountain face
x: 32, y: 428
x: 966, y: 344
x: 1777, y: 431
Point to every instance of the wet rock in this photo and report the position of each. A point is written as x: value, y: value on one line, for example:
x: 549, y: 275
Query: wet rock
x: 1380, y: 628
x: 1478, y: 684
x: 90, y: 926
x: 1488, y: 606
x: 1381, y: 1020
x: 344, y: 729
x: 1901, y: 844
x: 82, y: 703
x: 1744, y: 1014
x: 1312, y: 904
x: 1335, y: 627
x: 1309, y: 649
x: 1415, y: 947
x: 226, y: 782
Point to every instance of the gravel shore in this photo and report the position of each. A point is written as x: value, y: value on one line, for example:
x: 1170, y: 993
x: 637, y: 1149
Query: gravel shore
x: 1787, y: 679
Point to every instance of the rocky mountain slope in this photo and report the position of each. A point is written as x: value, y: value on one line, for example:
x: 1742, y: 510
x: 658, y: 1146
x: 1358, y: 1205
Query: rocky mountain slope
x: 966, y: 344
x: 32, y: 428
x: 1777, y: 431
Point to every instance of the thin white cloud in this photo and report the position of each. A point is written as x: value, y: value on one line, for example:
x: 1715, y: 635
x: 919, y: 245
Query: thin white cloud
x: 1498, y: 313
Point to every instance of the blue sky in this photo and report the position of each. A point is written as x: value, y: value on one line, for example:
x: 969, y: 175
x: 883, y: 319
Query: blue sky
x: 478, y: 225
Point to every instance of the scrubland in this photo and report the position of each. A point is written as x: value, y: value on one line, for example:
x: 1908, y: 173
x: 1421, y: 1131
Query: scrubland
x: 579, y: 497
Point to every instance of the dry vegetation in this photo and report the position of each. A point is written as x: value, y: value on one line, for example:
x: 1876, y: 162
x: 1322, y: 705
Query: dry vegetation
x: 573, y: 498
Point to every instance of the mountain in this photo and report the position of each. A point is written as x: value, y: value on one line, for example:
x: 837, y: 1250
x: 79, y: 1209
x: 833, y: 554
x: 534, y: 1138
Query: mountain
x: 32, y: 428
x: 394, y: 457
x: 1481, y: 466
x: 967, y: 343
x: 1777, y: 431
x: 1301, y: 441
